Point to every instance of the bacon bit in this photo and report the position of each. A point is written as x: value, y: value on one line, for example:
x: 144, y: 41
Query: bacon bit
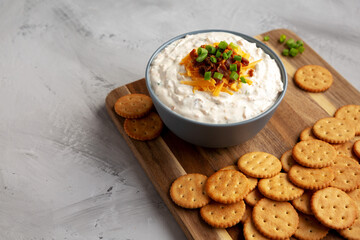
x: 244, y: 61
x: 251, y: 72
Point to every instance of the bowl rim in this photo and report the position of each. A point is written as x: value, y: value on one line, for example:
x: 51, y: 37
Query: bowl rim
x: 258, y: 43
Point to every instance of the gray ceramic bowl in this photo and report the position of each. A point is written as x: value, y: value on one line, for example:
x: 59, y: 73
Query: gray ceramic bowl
x: 210, y: 134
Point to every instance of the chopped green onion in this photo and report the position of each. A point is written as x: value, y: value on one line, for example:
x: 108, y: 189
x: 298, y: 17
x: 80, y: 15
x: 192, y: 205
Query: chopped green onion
x: 207, y: 75
x: 285, y: 52
x: 299, y: 43
x: 233, y: 45
x: 282, y: 38
x: 223, y: 45
x: 234, y: 76
x: 218, y: 75
x: 202, y: 56
x: 225, y: 56
x: 243, y: 80
x: 290, y: 43
x: 266, y: 38
x: 233, y: 67
x: 301, y: 49
x: 237, y: 58
x: 211, y: 49
x: 200, y: 50
x: 213, y: 59
x: 218, y: 53
x: 293, y: 52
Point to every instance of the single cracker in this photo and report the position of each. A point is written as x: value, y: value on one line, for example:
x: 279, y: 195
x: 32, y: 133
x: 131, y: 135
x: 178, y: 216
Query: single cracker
x: 302, y: 203
x: 307, y: 134
x: 227, y: 186
x: 287, y: 160
x: 350, y: 113
x: 333, y: 208
x: 310, y: 229
x: 188, y: 191
x: 356, y: 148
x: 275, y: 220
x: 250, y: 231
x: 333, y: 130
x: 223, y: 215
x: 347, y: 174
x: 253, y: 197
x: 146, y: 128
x: 353, y: 232
x: 259, y: 164
x: 251, y: 181
x: 279, y: 188
x: 230, y: 167
x: 355, y: 195
x: 313, y: 78
x: 311, y: 178
x: 314, y: 153
x: 247, y: 213
x: 133, y: 105
x: 346, y: 149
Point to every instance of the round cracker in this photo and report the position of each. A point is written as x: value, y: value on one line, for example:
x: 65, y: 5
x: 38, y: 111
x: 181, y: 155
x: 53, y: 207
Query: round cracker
x: 314, y: 153
x: 310, y: 229
x: 133, y: 105
x: 250, y: 231
x: 313, y: 78
x: 307, y: 134
x: 355, y: 195
x: 253, y: 197
x: 146, y: 128
x: 302, y: 203
x: 247, y: 213
x: 276, y: 220
x: 346, y: 149
x: 352, y: 232
x: 333, y: 130
x: 188, y: 191
x: 259, y: 164
x: 227, y: 186
x: 311, y: 178
x: 279, y: 188
x: 333, y: 208
x: 356, y: 148
x: 251, y: 181
x: 350, y: 113
x: 223, y: 215
x: 347, y: 174
x: 287, y: 160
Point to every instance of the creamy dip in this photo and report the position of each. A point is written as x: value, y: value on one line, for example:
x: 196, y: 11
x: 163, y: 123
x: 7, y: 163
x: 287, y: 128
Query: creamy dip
x: 202, y: 106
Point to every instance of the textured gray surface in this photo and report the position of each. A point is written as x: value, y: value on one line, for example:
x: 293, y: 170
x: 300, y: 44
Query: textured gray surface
x: 65, y: 172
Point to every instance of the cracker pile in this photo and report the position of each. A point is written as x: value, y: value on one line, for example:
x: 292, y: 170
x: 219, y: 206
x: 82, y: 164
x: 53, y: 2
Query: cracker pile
x: 314, y: 187
x: 140, y: 123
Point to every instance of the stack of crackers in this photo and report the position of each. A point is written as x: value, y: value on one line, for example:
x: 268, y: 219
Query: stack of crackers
x: 312, y: 188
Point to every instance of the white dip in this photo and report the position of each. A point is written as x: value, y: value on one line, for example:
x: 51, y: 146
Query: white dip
x: 248, y: 102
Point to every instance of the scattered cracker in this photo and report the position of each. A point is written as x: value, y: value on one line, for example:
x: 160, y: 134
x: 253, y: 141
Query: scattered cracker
x: 250, y: 231
x: 355, y: 195
x: 333, y: 208
x: 353, y: 232
x: 247, y: 213
x: 307, y: 134
x: 310, y: 229
x: 133, y: 105
x: 143, y: 129
x: 227, y: 186
x: 333, y: 130
x: 251, y: 181
x: 259, y: 164
x: 350, y: 113
x: 311, y: 178
x: 223, y: 215
x: 347, y: 174
x: 302, y: 203
x: 188, y: 191
x: 313, y: 78
x: 287, y: 160
x: 253, y: 197
x: 314, y: 153
x: 230, y: 167
x: 279, y: 188
x: 356, y: 148
x: 346, y: 149
x: 276, y: 220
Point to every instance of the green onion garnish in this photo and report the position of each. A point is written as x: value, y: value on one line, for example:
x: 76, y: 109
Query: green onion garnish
x: 293, y: 52
x: 200, y: 50
x: 299, y: 43
x: 233, y: 45
x: 266, y: 38
x: 218, y: 75
x: 282, y: 38
x: 234, y: 76
x: 207, y: 75
x: 225, y: 56
x: 237, y: 58
x: 243, y: 80
x: 211, y: 49
x: 223, y: 45
x: 213, y: 59
x: 233, y: 67
x: 285, y: 52
x: 290, y: 43
x: 218, y: 53
x: 301, y: 49
x: 202, y: 55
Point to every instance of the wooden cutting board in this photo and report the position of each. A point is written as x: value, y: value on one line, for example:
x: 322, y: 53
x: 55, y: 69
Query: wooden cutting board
x: 168, y: 157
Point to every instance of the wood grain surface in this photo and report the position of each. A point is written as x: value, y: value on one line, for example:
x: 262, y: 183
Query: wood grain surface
x: 168, y: 157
